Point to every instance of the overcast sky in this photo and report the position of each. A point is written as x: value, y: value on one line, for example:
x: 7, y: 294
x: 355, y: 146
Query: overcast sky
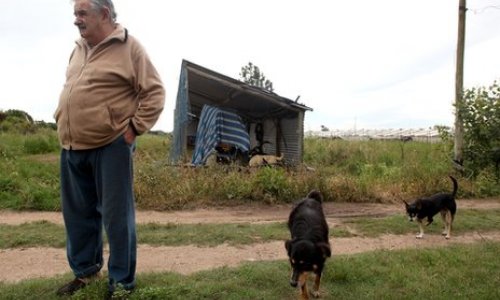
x: 358, y: 64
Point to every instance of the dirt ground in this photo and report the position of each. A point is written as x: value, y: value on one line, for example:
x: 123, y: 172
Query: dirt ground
x: 27, y: 263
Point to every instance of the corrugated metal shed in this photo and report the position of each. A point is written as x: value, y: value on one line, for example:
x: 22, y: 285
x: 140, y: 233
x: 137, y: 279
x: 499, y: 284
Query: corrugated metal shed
x: 282, y: 119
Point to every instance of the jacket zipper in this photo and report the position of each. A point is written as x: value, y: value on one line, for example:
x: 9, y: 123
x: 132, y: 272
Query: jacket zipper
x: 82, y: 67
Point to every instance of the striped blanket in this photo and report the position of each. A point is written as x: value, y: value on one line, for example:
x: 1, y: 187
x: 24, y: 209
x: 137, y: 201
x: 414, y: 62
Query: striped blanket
x: 217, y: 126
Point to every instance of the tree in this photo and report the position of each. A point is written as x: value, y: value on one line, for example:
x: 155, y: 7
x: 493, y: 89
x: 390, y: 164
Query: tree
x: 14, y: 120
x: 480, y: 113
x: 19, y: 114
x: 252, y: 75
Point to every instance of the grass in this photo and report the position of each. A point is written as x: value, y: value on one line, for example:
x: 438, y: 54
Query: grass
x: 210, y: 235
x: 345, y: 171
x: 466, y: 220
x: 362, y: 171
x: 455, y: 272
x: 29, y: 184
x: 33, y: 234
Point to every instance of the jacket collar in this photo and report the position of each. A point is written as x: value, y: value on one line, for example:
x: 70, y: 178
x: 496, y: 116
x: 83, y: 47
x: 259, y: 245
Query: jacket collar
x: 120, y: 34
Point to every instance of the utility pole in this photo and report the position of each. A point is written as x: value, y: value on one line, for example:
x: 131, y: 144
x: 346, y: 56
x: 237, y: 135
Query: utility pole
x: 459, y: 82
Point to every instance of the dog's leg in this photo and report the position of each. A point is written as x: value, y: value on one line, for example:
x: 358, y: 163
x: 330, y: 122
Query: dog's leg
x: 304, y: 294
x: 317, y: 281
x: 421, y: 227
x: 445, y: 222
x: 449, y: 220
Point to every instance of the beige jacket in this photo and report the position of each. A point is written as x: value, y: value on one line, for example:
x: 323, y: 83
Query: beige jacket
x: 108, y: 88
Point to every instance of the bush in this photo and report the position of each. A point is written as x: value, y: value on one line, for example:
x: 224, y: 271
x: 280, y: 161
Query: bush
x: 480, y: 114
x: 16, y: 121
x: 40, y: 144
x: 271, y: 183
x: 355, y: 171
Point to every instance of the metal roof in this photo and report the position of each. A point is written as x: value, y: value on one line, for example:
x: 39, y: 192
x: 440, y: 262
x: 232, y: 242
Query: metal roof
x: 208, y: 87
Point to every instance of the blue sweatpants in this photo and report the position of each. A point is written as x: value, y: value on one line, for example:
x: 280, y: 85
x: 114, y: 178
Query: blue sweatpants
x: 97, y: 192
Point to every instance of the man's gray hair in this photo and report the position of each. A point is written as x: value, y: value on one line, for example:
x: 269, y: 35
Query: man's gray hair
x: 100, y: 4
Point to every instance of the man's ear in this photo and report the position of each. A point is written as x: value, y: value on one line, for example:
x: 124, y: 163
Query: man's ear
x: 106, y: 13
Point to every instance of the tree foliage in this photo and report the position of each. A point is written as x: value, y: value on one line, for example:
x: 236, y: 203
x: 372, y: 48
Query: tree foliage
x: 14, y: 120
x: 252, y: 75
x: 480, y: 113
x: 18, y: 121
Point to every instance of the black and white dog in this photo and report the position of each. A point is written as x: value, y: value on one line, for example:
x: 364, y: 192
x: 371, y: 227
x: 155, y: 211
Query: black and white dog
x: 428, y: 207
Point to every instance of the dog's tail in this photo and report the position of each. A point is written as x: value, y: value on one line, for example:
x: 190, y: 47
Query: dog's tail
x: 455, y: 186
x: 316, y: 195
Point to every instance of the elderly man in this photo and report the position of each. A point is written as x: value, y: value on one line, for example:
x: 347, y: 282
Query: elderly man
x: 112, y: 94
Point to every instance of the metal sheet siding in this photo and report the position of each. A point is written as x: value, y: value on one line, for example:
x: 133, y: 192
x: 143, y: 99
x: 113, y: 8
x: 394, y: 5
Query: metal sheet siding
x: 180, y: 119
x: 292, y: 139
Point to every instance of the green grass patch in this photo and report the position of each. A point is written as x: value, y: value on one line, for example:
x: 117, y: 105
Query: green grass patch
x: 465, y: 220
x: 210, y: 235
x: 29, y: 183
x: 455, y: 272
x: 345, y: 171
x: 32, y: 234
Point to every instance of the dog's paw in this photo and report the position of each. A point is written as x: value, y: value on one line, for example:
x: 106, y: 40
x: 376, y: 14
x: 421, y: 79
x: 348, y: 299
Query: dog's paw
x: 447, y: 237
x: 315, y: 294
x: 419, y: 236
x: 444, y: 233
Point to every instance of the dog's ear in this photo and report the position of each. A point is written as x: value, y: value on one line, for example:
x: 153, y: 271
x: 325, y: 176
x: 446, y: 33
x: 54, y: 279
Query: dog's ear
x: 315, y: 194
x: 325, y: 249
x: 288, y: 246
x: 419, y: 204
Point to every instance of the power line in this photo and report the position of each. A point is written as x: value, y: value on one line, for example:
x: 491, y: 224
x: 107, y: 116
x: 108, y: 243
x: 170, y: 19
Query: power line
x: 478, y: 11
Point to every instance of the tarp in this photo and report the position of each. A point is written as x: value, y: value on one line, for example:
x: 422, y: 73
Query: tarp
x: 218, y: 126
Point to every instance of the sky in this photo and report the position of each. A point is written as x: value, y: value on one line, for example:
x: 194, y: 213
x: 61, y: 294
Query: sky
x: 359, y: 64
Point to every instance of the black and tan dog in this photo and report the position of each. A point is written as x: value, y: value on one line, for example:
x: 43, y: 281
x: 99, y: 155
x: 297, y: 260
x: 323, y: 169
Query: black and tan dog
x: 309, y: 246
x: 428, y: 207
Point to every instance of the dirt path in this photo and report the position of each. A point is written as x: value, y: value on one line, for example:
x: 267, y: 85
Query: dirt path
x: 21, y: 264
x: 247, y: 214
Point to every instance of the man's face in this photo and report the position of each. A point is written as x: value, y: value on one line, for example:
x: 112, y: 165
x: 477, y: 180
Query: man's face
x: 87, y: 20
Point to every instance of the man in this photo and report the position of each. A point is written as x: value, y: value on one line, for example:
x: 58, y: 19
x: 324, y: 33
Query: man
x: 112, y: 94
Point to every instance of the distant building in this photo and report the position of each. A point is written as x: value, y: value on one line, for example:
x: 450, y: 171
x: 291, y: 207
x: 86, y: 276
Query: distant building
x: 422, y: 135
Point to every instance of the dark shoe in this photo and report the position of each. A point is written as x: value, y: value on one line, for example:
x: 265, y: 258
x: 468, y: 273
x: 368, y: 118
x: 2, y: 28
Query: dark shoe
x: 76, y: 284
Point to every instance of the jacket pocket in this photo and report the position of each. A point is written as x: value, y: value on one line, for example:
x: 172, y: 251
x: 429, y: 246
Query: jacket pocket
x: 119, y: 116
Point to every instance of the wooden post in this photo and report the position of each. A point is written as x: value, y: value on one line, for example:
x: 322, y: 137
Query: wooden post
x: 459, y: 82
